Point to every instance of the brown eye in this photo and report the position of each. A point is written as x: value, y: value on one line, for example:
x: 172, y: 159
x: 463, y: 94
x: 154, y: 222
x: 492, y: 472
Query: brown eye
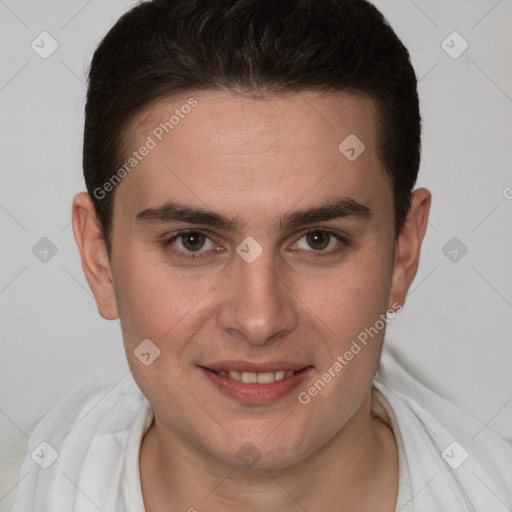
x: 190, y: 244
x: 318, y: 240
x: 193, y: 241
x: 321, y: 241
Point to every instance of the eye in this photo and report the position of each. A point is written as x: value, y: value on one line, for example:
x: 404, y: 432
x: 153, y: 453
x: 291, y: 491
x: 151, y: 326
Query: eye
x: 189, y: 242
x: 194, y: 244
x: 321, y: 240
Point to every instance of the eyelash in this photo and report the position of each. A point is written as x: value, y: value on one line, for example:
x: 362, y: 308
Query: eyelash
x: 191, y: 255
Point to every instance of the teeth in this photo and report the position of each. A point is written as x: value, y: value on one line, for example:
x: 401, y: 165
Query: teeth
x: 279, y: 375
x: 260, y: 378
x: 265, y: 377
x: 249, y: 377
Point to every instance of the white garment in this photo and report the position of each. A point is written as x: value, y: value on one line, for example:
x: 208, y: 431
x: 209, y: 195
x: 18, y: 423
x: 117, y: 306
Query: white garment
x: 404, y: 502
x: 91, y: 431
x: 130, y: 493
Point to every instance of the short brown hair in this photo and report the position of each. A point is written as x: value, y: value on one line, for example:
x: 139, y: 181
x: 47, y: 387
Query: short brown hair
x: 162, y: 48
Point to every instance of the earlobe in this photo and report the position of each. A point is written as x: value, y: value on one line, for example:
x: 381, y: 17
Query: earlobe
x: 408, y: 246
x: 93, y: 254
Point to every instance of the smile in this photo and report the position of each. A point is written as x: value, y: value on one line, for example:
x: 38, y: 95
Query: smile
x: 260, y: 378
x: 256, y: 387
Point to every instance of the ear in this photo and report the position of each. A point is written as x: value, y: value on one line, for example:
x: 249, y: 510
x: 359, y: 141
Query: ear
x: 94, y: 255
x: 408, y: 247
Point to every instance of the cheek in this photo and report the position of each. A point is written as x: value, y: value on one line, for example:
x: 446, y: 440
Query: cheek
x: 348, y: 308
x: 352, y: 298
x: 156, y: 303
x: 154, y: 300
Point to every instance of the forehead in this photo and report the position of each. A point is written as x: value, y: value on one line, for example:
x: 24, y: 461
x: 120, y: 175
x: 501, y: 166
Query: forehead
x: 220, y: 117
x: 212, y: 145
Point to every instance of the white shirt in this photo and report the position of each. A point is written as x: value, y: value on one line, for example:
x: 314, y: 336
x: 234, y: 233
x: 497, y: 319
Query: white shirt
x: 130, y: 493
x: 453, y: 464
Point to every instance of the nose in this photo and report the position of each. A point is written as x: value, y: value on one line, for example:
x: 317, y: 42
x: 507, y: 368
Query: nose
x: 259, y: 304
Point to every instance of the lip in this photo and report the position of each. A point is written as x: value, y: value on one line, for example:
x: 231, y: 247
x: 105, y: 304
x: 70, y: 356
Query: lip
x: 247, y: 366
x: 254, y: 393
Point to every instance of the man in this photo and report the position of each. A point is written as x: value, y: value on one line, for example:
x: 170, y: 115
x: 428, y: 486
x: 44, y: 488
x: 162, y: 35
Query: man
x: 251, y: 220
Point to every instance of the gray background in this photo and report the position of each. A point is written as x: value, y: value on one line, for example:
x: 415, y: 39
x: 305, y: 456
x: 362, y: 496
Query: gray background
x: 455, y: 331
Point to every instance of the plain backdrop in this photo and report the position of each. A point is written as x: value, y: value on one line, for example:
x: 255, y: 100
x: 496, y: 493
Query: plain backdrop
x: 455, y: 332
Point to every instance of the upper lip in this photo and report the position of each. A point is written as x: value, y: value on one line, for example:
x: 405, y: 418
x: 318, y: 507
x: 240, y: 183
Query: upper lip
x: 248, y: 366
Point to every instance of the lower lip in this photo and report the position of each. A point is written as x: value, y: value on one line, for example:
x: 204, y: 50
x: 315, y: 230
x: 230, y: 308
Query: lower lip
x: 254, y: 393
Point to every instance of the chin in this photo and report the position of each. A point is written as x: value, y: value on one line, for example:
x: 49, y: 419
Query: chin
x: 260, y: 452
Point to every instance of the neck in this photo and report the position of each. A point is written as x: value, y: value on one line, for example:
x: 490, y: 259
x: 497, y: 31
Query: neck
x: 356, y: 470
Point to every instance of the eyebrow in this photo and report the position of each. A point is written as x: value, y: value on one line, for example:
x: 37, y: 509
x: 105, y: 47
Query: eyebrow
x: 171, y: 211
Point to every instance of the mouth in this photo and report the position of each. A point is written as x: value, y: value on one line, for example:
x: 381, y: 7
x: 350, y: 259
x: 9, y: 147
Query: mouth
x: 257, y: 377
x: 256, y: 387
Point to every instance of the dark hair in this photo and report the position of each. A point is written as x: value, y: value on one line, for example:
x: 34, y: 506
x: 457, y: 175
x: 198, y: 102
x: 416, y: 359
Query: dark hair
x: 162, y: 48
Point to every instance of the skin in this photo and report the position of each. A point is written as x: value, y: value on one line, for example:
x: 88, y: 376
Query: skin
x: 257, y: 159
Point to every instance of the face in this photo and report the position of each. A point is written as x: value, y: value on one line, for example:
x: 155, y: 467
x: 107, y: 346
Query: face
x: 247, y: 241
